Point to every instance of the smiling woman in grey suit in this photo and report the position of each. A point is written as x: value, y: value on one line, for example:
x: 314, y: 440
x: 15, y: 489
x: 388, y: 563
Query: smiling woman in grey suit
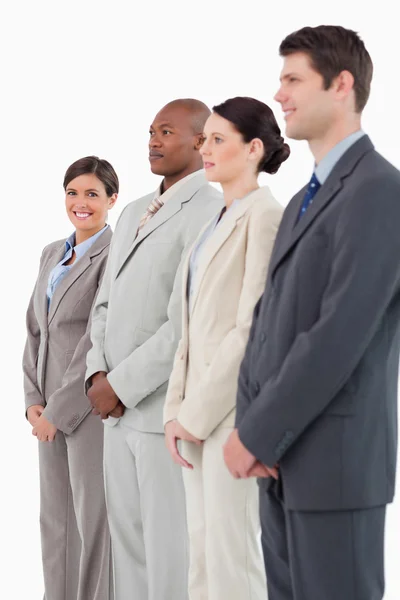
x: 223, y: 279
x: 73, y: 520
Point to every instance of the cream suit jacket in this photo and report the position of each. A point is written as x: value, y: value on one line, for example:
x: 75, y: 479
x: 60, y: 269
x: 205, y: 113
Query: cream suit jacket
x: 231, y: 277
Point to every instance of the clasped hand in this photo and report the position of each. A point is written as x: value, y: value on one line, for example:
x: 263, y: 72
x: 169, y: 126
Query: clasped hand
x: 241, y: 463
x: 174, y: 431
x: 41, y: 427
x: 102, y: 397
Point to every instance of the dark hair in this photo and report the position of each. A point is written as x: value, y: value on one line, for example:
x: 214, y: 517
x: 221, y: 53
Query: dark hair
x: 333, y: 49
x: 99, y: 167
x: 254, y: 119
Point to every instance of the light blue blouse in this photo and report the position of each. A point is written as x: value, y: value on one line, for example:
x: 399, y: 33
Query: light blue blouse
x: 60, y: 270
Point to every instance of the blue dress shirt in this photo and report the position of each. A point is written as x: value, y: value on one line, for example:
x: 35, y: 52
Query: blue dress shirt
x: 60, y: 270
x: 325, y: 166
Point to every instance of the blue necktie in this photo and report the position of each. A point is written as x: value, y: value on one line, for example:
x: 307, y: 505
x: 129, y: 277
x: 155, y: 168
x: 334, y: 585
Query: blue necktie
x: 312, y: 189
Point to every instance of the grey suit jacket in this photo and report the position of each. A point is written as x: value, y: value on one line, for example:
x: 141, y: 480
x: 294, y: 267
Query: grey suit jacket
x: 318, y: 384
x: 137, y: 317
x: 57, y: 342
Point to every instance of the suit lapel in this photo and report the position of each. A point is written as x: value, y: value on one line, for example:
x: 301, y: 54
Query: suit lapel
x: 328, y: 191
x: 173, y: 206
x: 76, y: 271
x: 43, y: 280
x: 220, y: 235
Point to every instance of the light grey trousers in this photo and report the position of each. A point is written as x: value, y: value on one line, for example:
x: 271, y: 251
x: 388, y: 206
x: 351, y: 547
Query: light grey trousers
x: 73, y: 520
x: 147, y: 516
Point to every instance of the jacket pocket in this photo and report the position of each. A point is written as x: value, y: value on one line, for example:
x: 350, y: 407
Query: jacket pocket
x: 343, y: 404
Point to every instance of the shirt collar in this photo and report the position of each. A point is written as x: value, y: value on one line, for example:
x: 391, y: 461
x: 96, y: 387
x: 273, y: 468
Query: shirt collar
x: 81, y: 248
x: 164, y: 197
x: 326, y: 165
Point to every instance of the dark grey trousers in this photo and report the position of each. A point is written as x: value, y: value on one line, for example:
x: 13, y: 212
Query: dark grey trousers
x: 327, y: 555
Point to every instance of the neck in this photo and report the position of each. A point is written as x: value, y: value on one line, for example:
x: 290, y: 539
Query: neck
x: 169, y: 180
x: 321, y: 146
x: 81, y: 235
x: 237, y: 189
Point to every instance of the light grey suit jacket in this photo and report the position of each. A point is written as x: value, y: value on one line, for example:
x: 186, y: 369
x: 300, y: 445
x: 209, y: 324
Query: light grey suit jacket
x: 137, y: 317
x: 57, y: 341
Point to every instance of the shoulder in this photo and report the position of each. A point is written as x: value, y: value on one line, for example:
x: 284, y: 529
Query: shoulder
x: 377, y: 184
x: 204, y: 204
x: 265, y: 211
x: 136, y: 206
x: 51, y: 248
x: 206, y: 194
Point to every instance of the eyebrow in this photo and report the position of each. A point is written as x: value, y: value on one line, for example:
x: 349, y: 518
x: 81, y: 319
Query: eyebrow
x: 217, y: 133
x: 287, y: 75
x: 165, y: 124
x: 70, y: 189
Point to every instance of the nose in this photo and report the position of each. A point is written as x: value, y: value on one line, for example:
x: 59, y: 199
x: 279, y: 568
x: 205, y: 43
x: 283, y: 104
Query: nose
x: 205, y: 148
x: 154, y: 141
x: 280, y: 96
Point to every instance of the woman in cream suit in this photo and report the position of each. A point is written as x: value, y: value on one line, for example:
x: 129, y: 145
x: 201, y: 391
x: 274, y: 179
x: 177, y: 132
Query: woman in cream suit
x: 224, y: 278
x: 73, y: 519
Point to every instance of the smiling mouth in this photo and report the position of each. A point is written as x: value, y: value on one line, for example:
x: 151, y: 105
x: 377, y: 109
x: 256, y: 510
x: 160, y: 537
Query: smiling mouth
x: 155, y: 155
x: 208, y: 165
x: 287, y: 113
x: 82, y: 215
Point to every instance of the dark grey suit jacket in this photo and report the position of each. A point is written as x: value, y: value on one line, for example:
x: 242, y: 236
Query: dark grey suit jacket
x: 54, y: 361
x: 318, y: 384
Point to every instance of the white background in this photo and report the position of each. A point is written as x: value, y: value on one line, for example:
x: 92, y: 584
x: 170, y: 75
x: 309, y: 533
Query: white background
x: 83, y: 78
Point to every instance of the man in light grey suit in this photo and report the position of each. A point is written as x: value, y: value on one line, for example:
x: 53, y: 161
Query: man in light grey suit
x: 317, y: 400
x: 135, y: 332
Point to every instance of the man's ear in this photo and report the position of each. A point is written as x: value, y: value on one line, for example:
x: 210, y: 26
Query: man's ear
x: 199, y: 139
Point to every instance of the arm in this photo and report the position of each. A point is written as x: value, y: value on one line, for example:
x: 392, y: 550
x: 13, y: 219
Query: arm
x: 31, y: 387
x: 364, y: 278
x: 175, y: 386
x: 243, y: 398
x: 33, y: 395
x: 213, y: 399
x: 95, y: 359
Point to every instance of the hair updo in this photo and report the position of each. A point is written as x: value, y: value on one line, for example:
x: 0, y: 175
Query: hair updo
x: 254, y: 119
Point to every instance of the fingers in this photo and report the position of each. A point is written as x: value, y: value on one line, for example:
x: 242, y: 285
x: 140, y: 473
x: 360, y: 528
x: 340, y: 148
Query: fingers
x: 259, y: 471
x: 176, y: 456
x: 95, y: 411
x: 273, y: 472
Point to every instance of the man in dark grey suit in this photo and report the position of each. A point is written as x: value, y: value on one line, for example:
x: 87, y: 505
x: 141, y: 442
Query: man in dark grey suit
x: 317, y: 400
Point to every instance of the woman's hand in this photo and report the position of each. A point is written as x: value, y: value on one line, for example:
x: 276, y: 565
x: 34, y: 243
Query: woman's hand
x: 171, y: 441
x: 33, y: 413
x: 44, y: 430
x: 183, y: 434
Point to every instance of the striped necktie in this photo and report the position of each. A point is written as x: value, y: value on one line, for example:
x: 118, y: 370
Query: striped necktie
x: 153, y: 207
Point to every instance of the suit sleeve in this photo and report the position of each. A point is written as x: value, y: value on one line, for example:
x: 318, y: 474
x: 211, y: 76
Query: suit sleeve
x: 149, y: 366
x: 213, y: 399
x: 364, y: 279
x: 68, y: 405
x: 243, y: 398
x: 175, y: 386
x: 95, y: 358
x: 29, y: 361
